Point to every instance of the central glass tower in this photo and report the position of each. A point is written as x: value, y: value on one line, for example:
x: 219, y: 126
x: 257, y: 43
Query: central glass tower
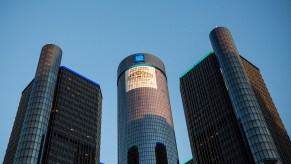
x: 145, y: 124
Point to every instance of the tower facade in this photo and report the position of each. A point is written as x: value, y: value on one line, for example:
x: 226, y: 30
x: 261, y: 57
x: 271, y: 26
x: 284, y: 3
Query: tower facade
x: 35, y: 123
x: 74, y: 131
x: 145, y: 124
x: 243, y: 98
x: 59, y: 116
x: 18, y: 123
x: 230, y: 115
x: 213, y: 129
x: 270, y: 113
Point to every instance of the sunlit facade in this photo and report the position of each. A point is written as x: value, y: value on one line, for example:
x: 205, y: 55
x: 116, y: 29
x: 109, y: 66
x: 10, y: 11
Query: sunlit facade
x: 145, y: 125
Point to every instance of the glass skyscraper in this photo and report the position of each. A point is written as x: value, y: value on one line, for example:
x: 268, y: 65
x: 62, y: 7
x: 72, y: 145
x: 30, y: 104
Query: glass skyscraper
x: 35, y: 123
x: 59, y: 116
x: 145, y: 125
x: 230, y: 115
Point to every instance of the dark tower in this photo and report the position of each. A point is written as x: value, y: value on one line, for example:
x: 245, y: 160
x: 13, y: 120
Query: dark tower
x: 271, y: 115
x: 59, y: 116
x: 75, y: 122
x: 214, y: 132
x: 18, y: 123
x: 230, y: 115
x: 35, y: 123
x: 243, y: 98
x: 144, y: 112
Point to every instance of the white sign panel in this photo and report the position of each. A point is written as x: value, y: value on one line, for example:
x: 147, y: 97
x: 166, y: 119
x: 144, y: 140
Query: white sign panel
x: 140, y: 76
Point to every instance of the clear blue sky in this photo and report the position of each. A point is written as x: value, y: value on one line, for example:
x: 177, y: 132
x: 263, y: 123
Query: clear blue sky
x: 96, y: 35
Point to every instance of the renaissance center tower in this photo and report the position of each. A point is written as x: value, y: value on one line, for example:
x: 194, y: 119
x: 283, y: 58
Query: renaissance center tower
x: 230, y: 114
x: 244, y: 101
x: 59, y: 116
x: 145, y: 124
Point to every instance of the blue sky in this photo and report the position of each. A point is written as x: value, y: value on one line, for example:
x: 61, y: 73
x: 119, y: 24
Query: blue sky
x: 96, y: 35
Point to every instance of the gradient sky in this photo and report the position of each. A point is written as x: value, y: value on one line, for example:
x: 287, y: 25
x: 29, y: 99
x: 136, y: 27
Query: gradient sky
x: 96, y: 35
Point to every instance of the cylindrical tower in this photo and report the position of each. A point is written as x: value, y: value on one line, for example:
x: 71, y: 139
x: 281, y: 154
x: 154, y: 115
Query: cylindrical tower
x: 243, y: 99
x: 145, y: 126
x: 35, y: 124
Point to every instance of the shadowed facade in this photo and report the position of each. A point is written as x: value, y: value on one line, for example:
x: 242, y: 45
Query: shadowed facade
x: 230, y: 115
x: 59, y: 116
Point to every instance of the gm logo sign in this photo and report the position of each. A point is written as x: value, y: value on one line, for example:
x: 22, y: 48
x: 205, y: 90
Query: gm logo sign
x: 139, y: 58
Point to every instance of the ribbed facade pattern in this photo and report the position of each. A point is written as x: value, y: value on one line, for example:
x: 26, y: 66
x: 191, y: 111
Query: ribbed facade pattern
x: 59, y: 116
x: 144, y: 114
x: 243, y: 98
x: 213, y: 129
x: 271, y: 115
x: 75, y: 122
x: 33, y: 133
x: 18, y: 123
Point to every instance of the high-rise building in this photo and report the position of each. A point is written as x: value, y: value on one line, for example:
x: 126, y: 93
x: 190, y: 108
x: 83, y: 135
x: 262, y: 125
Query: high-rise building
x: 75, y: 124
x: 270, y: 113
x: 59, y: 116
x: 212, y: 126
x: 145, y: 124
x: 18, y: 123
x: 230, y: 115
x: 35, y: 123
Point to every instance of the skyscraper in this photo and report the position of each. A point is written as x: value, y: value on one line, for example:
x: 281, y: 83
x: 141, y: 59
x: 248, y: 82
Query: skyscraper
x: 212, y: 126
x: 270, y: 113
x: 230, y: 115
x: 145, y: 124
x: 59, y: 116
x: 35, y: 123
x: 75, y: 124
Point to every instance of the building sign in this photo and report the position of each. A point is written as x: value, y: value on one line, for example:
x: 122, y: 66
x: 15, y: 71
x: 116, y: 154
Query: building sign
x: 140, y: 76
x: 139, y: 58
